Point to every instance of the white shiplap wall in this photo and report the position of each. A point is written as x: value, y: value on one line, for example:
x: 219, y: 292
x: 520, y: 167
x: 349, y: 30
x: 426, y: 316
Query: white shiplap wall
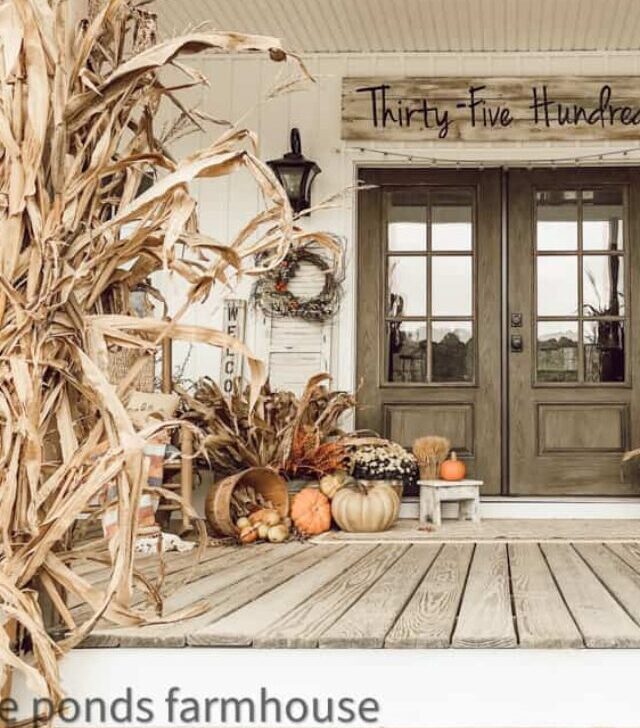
x: 238, y: 87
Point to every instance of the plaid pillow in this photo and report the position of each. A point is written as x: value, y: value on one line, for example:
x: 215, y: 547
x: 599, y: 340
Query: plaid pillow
x: 154, y: 453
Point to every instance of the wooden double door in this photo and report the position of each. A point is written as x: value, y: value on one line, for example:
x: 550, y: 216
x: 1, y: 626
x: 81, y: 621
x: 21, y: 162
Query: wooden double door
x: 496, y: 308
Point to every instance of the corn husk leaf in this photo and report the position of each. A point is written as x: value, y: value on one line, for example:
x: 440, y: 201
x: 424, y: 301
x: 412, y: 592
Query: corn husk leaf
x: 93, y: 204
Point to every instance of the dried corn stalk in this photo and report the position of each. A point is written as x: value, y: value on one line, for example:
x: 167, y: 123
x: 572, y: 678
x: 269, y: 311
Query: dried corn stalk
x: 80, y: 159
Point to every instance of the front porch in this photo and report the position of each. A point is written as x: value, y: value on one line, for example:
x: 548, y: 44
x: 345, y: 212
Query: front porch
x: 541, y: 590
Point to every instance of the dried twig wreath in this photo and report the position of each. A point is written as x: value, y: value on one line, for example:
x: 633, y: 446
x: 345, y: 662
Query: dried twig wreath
x: 272, y: 295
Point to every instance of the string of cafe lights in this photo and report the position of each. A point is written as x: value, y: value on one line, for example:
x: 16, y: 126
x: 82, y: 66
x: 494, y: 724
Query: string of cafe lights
x: 511, y: 162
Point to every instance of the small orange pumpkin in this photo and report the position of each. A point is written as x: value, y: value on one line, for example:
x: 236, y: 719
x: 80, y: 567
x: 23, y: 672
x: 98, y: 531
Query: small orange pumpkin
x: 453, y: 469
x: 311, y: 512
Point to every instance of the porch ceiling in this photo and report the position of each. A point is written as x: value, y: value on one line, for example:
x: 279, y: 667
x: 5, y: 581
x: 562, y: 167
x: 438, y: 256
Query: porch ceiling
x: 369, y: 26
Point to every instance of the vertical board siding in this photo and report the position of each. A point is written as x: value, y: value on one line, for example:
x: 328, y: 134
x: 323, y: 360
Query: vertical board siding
x: 238, y: 88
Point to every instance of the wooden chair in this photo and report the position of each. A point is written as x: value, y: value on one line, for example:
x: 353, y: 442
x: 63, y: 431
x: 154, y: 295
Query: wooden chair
x: 184, y: 466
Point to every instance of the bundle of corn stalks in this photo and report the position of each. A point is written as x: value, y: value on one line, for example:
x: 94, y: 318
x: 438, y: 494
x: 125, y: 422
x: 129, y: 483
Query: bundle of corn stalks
x: 91, y: 204
x: 281, y: 430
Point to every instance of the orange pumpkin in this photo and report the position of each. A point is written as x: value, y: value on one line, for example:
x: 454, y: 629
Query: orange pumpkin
x: 453, y: 469
x: 311, y: 512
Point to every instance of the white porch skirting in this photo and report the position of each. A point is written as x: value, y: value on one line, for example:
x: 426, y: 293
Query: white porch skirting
x: 426, y: 688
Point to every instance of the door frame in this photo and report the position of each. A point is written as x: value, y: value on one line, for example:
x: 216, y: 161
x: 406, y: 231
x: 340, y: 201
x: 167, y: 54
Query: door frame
x: 366, y: 224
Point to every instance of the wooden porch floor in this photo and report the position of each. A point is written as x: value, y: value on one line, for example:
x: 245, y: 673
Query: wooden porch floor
x: 432, y: 595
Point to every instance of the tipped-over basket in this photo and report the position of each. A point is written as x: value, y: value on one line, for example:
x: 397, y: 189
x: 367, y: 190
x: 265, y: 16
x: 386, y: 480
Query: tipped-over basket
x: 263, y: 480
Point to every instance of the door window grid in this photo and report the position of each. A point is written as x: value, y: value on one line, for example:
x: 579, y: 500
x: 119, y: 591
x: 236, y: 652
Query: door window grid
x: 587, y: 344
x: 430, y: 340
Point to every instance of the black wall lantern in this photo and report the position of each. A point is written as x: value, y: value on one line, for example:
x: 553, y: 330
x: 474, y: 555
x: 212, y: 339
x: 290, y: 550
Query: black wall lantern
x: 296, y: 174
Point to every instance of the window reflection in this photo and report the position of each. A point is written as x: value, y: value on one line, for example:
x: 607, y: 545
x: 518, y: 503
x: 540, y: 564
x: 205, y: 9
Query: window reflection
x: 407, y: 286
x: 429, y: 281
x: 451, y: 220
x: 407, y: 222
x: 557, y: 285
x: 407, y: 351
x: 557, y: 220
x: 604, y: 351
x: 596, y: 306
x: 557, y: 351
x: 452, y: 352
x: 452, y: 285
x: 602, y: 219
x: 603, y: 285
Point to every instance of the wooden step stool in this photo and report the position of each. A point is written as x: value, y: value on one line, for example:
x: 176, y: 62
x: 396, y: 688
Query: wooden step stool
x: 434, y: 492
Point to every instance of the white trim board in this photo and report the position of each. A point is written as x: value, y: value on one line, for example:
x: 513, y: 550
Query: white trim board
x: 430, y: 688
x: 501, y: 507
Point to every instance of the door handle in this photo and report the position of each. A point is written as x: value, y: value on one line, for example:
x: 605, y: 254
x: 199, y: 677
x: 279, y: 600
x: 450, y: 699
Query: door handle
x: 517, y: 343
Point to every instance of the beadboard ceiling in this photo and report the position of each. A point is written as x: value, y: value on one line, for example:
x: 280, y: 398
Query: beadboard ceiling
x: 370, y: 26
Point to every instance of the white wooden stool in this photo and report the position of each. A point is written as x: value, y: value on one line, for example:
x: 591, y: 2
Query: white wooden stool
x: 434, y: 492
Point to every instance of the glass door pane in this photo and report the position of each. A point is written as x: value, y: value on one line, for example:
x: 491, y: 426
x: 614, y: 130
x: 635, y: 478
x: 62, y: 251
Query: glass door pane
x: 430, y: 285
x: 580, y: 284
x: 407, y: 222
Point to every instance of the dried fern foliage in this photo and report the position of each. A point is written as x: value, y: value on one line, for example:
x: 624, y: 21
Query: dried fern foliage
x: 92, y: 203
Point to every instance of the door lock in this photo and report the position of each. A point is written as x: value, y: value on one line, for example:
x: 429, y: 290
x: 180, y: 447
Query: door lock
x: 516, y: 320
x: 517, y: 343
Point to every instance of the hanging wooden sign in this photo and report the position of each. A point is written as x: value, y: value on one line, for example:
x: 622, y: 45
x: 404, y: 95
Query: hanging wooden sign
x: 233, y: 323
x: 453, y: 109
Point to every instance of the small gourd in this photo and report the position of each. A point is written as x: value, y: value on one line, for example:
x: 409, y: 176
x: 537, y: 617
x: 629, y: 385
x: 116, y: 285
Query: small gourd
x: 269, y: 516
x: 453, y: 469
x: 331, y: 484
x: 248, y: 535
x: 278, y: 534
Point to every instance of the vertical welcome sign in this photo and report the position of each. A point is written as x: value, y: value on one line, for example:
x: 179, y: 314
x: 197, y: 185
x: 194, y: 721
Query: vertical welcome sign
x: 491, y: 109
x: 233, y: 324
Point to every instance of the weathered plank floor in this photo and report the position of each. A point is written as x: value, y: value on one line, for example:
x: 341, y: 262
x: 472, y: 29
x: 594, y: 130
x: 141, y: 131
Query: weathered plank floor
x: 498, y: 529
x: 460, y: 595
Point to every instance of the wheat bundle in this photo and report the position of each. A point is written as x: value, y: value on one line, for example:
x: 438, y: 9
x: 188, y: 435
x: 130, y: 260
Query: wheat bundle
x: 91, y: 204
x: 430, y: 452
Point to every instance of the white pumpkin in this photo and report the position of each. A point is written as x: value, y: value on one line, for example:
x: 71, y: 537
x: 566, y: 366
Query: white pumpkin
x: 360, y: 509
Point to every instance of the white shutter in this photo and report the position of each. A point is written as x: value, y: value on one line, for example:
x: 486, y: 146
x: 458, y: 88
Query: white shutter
x: 298, y: 349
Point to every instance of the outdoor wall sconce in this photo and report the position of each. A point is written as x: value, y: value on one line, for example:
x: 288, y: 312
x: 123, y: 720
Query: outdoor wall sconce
x: 296, y: 174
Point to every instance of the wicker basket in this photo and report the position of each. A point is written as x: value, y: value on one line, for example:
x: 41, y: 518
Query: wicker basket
x: 120, y: 363
x: 264, y: 480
